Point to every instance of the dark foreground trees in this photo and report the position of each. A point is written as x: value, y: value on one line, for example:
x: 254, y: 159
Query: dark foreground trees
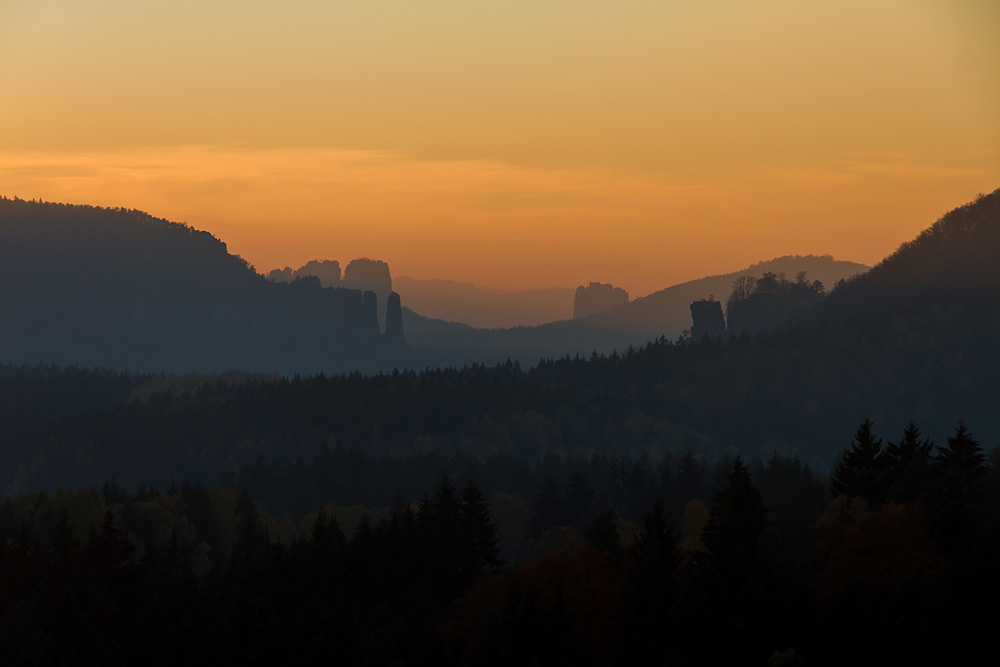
x: 760, y: 579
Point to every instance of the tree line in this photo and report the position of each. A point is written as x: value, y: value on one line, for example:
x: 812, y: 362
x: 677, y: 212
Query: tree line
x: 897, y: 564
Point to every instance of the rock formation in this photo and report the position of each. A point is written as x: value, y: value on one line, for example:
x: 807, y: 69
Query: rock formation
x: 706, y: 315
x: 370, y: 274
x: 597, y: 298
x: 369, y: 300
x: 327, y: 270
x: 394, y: 321
x: 361, y: 274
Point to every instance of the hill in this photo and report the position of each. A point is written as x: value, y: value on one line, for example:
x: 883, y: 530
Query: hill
x: 663, y: 313
x: 122, y: 289
x: 913, y: 339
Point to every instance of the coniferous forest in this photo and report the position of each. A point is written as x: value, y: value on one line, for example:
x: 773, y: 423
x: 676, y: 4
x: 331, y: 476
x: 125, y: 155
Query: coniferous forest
x: 817, y: 486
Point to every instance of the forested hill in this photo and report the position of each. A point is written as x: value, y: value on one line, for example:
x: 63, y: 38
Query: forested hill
x: 880, y: 347
x: 957, y: 255
x: 119, y: 288
x: 923, y: 325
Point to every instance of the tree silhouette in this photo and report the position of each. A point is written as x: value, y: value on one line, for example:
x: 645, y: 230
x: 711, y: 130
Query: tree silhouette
x: 908, y: 467
x: 862, y: 468
x: 736, y: 522
x: 478, y: 531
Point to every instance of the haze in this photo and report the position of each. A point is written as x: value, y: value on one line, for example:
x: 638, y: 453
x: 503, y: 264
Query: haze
x: 510, y: 144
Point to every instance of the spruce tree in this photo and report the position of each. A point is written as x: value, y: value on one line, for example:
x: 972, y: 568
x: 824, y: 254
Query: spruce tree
x: 579, y: 500
x: 547, y: 507
x: 862, y: 468
x: 736, y: 523
x: 478, y: 531
x: 908, y: 467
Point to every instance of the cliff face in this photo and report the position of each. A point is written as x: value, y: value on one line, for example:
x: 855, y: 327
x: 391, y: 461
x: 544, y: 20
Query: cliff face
x: 361, y: 274
x: 368, y: 274
x: 707, y: 319
x: 327, y: 270
x: 394, y: 321
x: 597, y: 298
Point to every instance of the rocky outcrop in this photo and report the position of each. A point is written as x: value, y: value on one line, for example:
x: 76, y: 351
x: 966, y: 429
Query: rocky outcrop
x: 596, y: 298
x: 285, y: 275
x: 707, y: 320
x: 368, y: 274
x: 327, y: 270
x: 369, y: 316
x: 394, y: 321
x: 361, y: 274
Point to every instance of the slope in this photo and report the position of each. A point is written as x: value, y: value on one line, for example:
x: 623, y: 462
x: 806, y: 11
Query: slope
x: 121, y: 289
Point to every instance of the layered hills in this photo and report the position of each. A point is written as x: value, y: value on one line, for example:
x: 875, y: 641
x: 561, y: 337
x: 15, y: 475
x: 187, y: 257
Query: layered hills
x: 915, y: 339
x: 665, y: 313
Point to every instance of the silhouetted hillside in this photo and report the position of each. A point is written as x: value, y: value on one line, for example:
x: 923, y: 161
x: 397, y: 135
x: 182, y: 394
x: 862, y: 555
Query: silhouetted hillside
x: 664, y: 313
x: 120, y: 288
x: 876, y: 348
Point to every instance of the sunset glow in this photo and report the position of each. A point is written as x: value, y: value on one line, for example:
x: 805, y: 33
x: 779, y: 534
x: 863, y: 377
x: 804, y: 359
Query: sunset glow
x: 510, y: 144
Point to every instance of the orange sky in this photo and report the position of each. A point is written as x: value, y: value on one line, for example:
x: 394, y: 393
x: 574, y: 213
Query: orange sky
x: 514, y: 144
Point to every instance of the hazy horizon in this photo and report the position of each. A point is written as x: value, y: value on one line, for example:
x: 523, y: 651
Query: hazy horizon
x: 511, y: 145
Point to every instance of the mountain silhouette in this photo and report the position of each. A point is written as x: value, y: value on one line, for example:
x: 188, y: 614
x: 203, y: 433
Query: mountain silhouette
x: 662, y: 313
x: 122, y: 289
x: 912, y: 339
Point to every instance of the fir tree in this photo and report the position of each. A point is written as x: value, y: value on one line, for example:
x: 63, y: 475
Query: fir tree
x: 547, y: 507
x: 908, y: 466
x: 478, y: 531
x: 735, y: 525
x: 862, y: 468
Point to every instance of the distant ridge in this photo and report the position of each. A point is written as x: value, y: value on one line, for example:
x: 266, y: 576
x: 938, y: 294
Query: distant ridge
x: 663, y: 313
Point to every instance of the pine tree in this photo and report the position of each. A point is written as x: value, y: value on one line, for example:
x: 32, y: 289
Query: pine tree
x: 862, y: 468
x: 478, y: 531
x: 326, y: 537
x: 654, y: 559
x: 959, y: 469
x: 960, y: 463
x: 547, y: 507
x: 908, y: 466
x: 657, y: 544
x: 579, y: 500
x: 690, y: 480
x: 736, y: 523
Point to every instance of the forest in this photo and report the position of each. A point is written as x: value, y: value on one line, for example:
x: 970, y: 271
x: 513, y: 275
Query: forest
x: 891, y: 558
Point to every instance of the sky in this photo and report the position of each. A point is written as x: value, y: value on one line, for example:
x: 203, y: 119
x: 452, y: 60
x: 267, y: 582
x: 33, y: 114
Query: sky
x: 512, y: 144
